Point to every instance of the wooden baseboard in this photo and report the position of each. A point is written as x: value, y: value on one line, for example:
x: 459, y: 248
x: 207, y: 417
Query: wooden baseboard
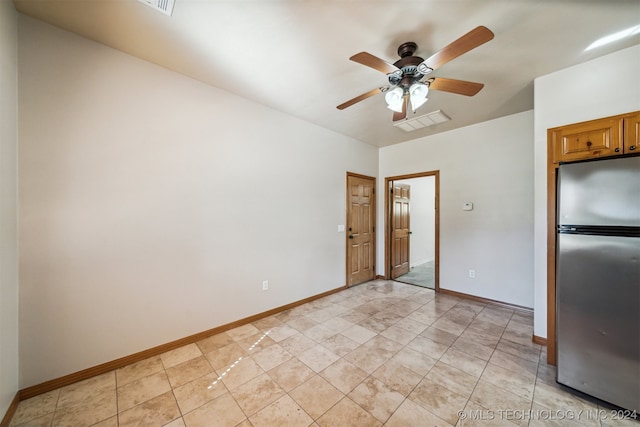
x: 56, y: 383
x: 539, y: 340
x: 486, y: 300
x: 379, y: 277
x: 11, y: 410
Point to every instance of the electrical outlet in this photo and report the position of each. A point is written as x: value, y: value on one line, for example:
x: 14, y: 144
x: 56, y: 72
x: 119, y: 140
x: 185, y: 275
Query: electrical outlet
x: 265, y: 285
x: 472, y: 274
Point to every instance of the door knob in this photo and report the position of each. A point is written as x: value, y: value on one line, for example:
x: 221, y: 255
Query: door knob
x: 351, y: 236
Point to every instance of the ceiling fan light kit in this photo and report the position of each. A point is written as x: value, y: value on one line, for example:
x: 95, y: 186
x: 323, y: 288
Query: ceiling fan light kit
x: 407, y: 76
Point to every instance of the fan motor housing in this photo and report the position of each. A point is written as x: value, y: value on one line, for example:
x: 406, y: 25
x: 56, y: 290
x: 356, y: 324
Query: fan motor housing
x: 408, y: 65
x: 405, y: 52
x: 407, y: 49
x: 408, y: 61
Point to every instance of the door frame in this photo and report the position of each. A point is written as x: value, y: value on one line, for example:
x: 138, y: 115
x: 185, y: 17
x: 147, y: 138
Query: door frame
x: 388, y: 206
x: 346, y: 231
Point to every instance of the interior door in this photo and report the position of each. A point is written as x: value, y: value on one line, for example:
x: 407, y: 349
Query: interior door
x: 360, y: 229
x: 400, y: 232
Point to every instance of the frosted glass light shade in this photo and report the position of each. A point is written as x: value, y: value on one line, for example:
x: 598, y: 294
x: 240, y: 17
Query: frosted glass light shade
x: 395, y: 99
x: 418, y: 95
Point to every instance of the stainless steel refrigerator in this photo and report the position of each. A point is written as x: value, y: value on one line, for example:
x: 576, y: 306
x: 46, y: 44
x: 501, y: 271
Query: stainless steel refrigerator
x: 598, y: 279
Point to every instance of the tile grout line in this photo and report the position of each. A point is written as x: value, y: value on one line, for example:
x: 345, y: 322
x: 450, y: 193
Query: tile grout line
x: 115, y: 374
x: 369, y: 375
x: 488, y: 361
x: 346, y: 395
x: 450, y: 346
x: 55, y: 410
x: 405, y: 398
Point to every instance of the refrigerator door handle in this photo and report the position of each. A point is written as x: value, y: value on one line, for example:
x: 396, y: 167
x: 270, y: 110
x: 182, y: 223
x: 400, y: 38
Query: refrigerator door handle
x: 599, y: 230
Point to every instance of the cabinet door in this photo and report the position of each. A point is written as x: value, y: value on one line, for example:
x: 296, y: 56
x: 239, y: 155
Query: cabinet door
x: 632, y: 134
x: 588, y: 140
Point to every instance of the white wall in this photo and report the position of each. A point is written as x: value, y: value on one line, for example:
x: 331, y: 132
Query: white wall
x: 8, y: 205
x: 491, y: 165
x: 423, y: 217
x: 599, y: 88
x: 153, y: 206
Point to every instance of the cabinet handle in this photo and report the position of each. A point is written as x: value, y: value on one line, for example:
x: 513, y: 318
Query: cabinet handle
x: 633, y: 147
x: 617, y: 150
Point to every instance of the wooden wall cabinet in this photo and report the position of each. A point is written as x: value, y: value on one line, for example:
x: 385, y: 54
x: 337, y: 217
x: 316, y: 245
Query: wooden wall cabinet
x: 632, y: 133
x: 612, y: 136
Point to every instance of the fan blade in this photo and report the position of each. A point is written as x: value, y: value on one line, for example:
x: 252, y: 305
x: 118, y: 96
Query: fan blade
x: 401, y: 116
x: 461, y: 87
x: 374, y: 62
x: 464, y: 44
x: 359, y: 98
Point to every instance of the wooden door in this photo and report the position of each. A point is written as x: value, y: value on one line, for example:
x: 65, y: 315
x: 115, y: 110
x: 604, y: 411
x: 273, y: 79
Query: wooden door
x: 400, y: 232
x: 360, y: 229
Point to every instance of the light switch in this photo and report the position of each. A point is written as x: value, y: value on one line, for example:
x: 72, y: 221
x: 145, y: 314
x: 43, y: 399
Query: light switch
x: 467, y: 206
x: 341, y: 228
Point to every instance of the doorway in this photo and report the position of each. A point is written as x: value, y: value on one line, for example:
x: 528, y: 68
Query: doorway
x: 412, y: 229
x: 361, y: 236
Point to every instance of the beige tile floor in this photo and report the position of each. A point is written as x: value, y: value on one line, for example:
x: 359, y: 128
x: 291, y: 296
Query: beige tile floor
x: 381, y: 353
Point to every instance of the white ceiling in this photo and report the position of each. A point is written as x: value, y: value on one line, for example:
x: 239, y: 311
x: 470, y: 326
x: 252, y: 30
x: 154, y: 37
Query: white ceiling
x: 293, y: 55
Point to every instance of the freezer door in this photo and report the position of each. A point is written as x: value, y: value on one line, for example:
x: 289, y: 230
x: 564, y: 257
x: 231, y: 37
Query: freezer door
x: 603, y: 192
x: 598, y: 317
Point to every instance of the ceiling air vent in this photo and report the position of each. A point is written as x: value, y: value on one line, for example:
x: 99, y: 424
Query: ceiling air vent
x: 423, y: 121
x: 164, y: 6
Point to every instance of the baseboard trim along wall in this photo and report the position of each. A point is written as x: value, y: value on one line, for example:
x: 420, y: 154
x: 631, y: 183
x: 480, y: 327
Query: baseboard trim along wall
x: 486, y: 300
x: 11, y: 410
x: 539, y: 340
x: 75, y: 377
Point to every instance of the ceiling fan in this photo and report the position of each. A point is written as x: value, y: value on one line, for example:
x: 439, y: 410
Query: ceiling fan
x: 408, y: 81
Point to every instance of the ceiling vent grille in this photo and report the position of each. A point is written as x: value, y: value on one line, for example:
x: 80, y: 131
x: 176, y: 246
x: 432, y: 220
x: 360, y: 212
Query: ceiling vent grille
x: 423, y: 121
x: 164, y: 6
